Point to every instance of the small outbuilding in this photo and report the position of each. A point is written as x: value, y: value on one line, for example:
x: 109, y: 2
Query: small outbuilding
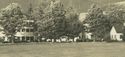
x: 116, y: 33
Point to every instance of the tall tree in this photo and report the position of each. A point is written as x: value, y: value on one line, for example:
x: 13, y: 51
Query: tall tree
x: 116, y: 16
x: 98, y: 22
x: 41, y: 19
x: 11, y: 19
x: 51, y: 23
x: 73, y: 25
x: 57, y: 15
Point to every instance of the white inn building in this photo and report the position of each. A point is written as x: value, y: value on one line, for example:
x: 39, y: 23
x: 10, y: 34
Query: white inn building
x: 25, y: 33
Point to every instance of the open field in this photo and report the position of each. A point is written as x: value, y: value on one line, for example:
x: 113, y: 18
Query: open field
x: 64, y: 50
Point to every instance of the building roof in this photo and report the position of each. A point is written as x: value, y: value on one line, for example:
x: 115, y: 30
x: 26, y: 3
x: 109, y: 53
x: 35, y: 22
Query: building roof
x: 2, y: 33
x: 21, y: 34
x: 25, y: 27
x: 82, y: 16
x: 119, y: 28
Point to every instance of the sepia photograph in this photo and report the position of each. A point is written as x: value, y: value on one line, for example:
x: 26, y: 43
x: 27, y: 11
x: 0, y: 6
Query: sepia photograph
x: 62, y: 28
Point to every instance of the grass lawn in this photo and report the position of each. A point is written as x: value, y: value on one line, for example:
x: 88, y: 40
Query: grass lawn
x: 64, y: 50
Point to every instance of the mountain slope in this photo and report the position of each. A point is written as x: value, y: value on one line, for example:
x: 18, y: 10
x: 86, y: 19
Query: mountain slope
x: 79, y: 5
x: 120, y: 3
x: 117, y: 5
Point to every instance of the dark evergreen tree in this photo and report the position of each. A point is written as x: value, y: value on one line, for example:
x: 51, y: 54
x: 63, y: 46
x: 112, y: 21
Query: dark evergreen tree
x: 73, y: 26
x: 98, y: 22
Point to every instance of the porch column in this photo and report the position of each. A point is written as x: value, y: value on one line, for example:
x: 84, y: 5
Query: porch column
x: 25, y: 38
x: 33, y: 38
x: 20, y: 38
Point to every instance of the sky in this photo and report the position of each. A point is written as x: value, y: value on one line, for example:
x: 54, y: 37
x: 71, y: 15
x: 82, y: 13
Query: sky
x: 79, y: 5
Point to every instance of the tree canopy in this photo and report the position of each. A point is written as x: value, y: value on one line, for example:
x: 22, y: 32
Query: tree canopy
x: 97, y: 21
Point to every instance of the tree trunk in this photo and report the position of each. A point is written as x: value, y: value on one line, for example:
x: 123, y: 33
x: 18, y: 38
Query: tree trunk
x: 12, y: 39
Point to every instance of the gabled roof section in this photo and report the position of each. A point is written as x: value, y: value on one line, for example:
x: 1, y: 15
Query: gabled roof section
x: 119, y: 28
x: 82, y: 16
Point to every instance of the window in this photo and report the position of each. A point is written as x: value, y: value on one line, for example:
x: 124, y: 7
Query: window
x: 87, y: 36
x: 112, y: 36
x: 27, y: 38
x: 121, y: 36
x: 18, y: 38
x: 23, y: 38
x: 23, y: 30
x: 27, y: 30
x: 32, y: 39
x: 27, y: 23
x: 115, y: 36
x: 31, y: 30
x: 31, y: 23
